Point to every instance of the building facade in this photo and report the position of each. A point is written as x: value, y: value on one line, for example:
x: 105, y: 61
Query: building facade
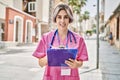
x: 19, y: 26
x: 24, y: 22
x: 111, y: 18
x: 3, y: 4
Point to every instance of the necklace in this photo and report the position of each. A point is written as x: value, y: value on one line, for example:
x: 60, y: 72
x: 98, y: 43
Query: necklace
x: 62, y: 45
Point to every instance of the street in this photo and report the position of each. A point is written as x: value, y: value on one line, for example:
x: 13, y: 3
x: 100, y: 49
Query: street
x: 17, y: 63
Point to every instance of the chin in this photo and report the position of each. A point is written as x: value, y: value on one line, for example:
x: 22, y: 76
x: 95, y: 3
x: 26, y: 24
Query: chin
x: 63, y: 27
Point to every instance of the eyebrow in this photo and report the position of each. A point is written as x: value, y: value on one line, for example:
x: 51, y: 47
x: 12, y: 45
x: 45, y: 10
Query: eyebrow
x: 64, y: 15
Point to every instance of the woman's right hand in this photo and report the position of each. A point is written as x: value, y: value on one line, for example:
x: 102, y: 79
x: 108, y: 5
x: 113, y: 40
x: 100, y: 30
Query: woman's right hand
x: 43, y: 61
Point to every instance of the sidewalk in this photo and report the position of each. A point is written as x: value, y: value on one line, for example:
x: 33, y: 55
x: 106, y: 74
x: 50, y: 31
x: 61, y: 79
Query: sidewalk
x: 88, y: 71
x: 109, y: 61
x: 15, y: 48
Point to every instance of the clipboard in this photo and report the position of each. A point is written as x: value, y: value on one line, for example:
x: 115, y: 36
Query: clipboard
x: 57, y: 57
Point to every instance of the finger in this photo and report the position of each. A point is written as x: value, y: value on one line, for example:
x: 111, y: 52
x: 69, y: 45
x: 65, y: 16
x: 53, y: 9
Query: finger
x: 68, y: 62
x: 71, y: 60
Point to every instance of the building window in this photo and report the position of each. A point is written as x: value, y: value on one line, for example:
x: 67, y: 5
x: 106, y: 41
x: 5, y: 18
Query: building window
x: 2, y: 30
x: 117, y: 32
x: 32, y: 7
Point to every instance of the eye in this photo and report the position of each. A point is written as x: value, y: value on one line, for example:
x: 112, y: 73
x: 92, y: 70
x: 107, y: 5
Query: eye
x: 66, y: 17
x: 59, y: 17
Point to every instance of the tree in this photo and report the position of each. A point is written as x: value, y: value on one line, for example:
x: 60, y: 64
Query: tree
x: 72, y: 2
x: 80, y: 21
x: 86, y: 17
x: 94, y: 28
x: 76, y: 6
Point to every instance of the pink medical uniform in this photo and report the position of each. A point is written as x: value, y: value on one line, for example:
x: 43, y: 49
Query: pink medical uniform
x: 54, y: 73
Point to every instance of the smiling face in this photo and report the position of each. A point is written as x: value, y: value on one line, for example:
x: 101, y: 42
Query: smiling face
x: 62, y: 20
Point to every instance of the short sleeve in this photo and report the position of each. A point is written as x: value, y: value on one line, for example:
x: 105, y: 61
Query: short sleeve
x: 82, y: 51
x: 41, y: 49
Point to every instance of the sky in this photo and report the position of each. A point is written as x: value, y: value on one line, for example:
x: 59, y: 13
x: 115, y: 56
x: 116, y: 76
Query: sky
x: 89, y: 7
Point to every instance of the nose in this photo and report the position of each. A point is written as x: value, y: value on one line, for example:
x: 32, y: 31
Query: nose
x: 62, y: 19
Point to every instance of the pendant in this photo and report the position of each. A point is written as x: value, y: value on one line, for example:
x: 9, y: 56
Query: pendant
x: 62, y: 46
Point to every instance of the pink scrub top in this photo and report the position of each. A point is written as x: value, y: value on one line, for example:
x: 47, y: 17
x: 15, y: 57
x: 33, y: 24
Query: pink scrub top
x: 54, y: 73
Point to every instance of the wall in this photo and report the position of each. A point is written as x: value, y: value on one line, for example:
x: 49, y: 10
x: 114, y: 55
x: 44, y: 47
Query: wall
x: 110, y: 6
x: 39, y: 9
x: 45, y: 11
x: 9, y: 28
x: 113, y: 28
x: 17, y: 4
x: 3, y: 4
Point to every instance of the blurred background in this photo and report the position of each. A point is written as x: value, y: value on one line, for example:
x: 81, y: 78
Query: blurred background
x: 23, y: 22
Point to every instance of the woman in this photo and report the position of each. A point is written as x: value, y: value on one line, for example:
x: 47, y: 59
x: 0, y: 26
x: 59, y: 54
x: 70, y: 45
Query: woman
x: 111, y: 38
x: 62, y: 37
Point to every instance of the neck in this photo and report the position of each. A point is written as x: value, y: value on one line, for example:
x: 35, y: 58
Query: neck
x: 62, y: 33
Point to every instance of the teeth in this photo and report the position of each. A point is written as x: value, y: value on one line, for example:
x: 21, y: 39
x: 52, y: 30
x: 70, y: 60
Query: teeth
x: 62, y: 24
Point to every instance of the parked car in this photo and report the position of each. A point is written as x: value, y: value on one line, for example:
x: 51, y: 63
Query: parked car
x: 102, y: 36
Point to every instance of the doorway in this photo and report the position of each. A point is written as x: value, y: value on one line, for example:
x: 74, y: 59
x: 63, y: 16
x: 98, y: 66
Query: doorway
x: 28, y: 31
x: 18, y: 29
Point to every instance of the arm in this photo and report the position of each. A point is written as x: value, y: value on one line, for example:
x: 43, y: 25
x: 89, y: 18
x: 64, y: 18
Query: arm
x: 81, y: 56
x: 40, y: 52
x: 42, y: 61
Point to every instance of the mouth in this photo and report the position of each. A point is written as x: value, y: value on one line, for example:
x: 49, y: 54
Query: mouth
x: 62, y: 24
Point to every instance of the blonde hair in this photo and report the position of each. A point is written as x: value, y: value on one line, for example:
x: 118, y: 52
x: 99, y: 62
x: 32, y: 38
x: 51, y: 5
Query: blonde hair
x: 62, y: 6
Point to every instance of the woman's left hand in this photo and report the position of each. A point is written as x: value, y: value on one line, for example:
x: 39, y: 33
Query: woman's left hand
x: 73, y: 63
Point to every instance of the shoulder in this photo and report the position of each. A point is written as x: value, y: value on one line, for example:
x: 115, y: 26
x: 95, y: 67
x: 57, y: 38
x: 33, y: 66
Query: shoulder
x: 78, y: 36
x: 46, y: 36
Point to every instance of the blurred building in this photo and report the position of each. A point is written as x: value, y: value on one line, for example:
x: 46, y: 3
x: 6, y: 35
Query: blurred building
x: 111, y: 19
x: 17, y: 25
x: 23, y: 21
